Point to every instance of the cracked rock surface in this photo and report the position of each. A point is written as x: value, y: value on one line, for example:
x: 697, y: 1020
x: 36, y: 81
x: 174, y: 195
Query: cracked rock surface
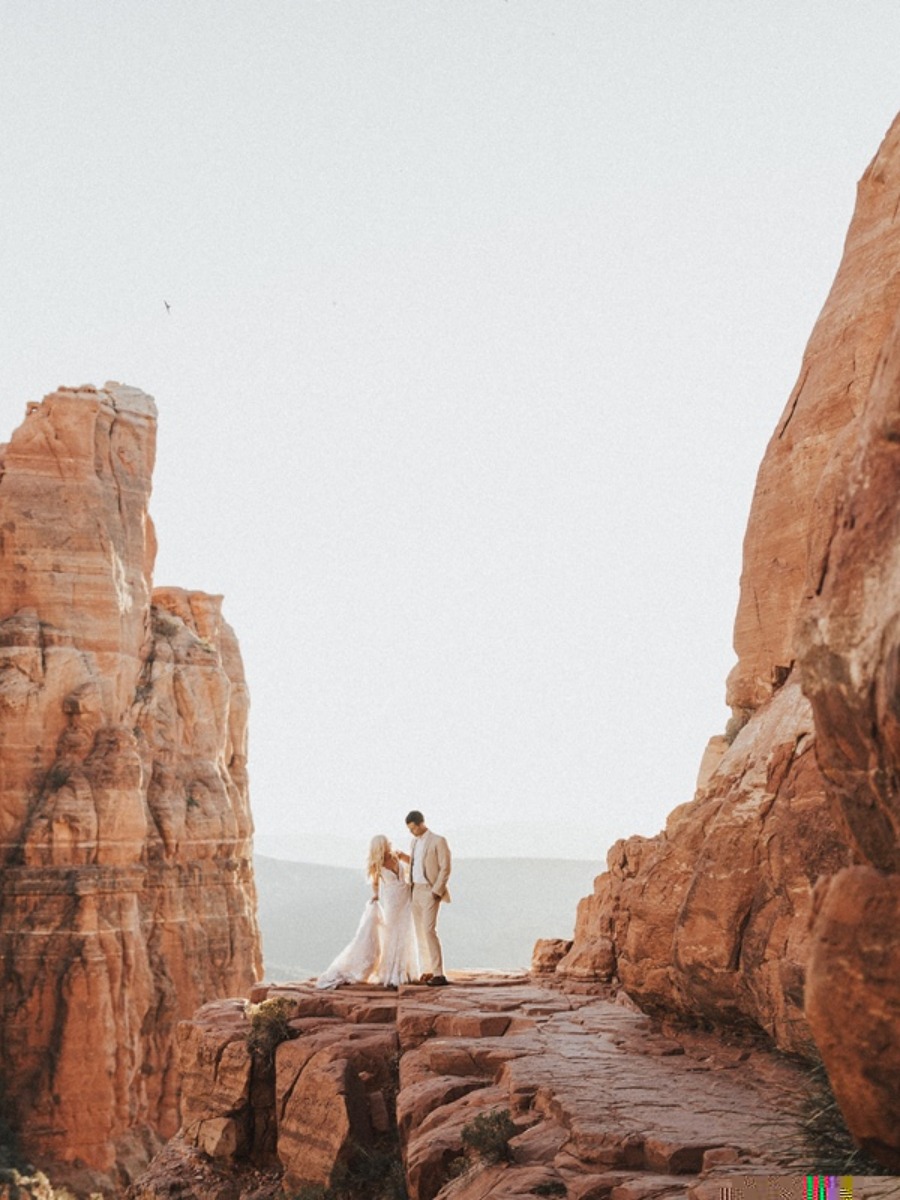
x: 601, y: 1099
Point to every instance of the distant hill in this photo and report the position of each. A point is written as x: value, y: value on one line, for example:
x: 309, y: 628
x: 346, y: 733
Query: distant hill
x: 500, y: 907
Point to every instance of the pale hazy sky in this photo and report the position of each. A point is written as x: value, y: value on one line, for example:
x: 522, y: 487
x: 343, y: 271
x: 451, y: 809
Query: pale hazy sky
x: 482, y: 312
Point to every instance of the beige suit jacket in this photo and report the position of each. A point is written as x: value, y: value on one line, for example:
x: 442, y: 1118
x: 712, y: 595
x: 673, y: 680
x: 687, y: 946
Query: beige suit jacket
x: 436, y: 862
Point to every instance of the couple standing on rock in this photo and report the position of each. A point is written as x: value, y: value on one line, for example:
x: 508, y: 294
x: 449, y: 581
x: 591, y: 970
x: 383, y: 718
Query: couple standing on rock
x: 398, y: 929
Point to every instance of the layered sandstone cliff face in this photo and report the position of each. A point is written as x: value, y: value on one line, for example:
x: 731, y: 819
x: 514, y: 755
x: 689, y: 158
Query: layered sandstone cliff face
x: 773, y: 898
x: 126, y: 890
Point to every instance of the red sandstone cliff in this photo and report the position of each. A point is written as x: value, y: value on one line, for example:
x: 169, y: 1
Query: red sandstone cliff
x: 126, y: 894
x: 849, y: 646
x: 773, y: 897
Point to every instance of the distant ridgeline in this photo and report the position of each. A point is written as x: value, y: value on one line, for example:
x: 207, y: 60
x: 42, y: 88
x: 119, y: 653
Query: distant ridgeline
x: 500, y: 908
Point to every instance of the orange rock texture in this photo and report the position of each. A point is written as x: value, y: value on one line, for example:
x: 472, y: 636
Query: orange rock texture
x: 494, y: 1087
x: 808, y: 455
x: 126, y: 890
x: 771, y: 898
x: 850, y: 654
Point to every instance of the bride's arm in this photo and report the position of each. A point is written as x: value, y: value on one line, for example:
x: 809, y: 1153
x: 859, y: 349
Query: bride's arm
x: 403, y: 857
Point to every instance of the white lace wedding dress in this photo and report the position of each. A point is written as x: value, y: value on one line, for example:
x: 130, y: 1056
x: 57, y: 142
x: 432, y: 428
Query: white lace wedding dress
x: 383, y: 949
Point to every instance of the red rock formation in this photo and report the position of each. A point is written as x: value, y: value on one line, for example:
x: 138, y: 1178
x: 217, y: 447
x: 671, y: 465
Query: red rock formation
x: 807, y: 456
x: 717, y: 916
x: 596, y: 1097
x: 853, y: 1003
x: 709, y: 918
x: 850, y: 650
x: 126, y: 895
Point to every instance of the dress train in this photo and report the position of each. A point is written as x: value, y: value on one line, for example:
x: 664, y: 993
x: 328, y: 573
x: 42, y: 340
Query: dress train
x: 383, y: 949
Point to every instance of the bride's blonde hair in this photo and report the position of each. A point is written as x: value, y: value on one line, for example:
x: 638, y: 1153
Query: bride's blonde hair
x: 378, y: 848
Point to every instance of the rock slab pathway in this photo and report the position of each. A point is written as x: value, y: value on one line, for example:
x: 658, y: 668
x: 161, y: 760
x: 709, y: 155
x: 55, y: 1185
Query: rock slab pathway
x: 599, y: 1100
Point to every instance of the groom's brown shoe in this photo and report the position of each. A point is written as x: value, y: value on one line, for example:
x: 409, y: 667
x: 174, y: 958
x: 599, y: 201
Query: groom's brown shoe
x: 437, y: 981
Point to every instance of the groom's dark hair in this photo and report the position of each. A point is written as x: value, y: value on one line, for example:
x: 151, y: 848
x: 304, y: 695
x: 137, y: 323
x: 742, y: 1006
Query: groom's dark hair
x: 414, y: 817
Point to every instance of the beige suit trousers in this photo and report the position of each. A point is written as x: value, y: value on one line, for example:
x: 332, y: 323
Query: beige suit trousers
x: 425, y: 906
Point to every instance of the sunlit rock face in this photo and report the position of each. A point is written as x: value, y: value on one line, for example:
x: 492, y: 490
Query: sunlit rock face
x: 808, y: 455
x: 850, y: 650
x: 771, y: 898
x: 126, y: 890
x: 709, y: 918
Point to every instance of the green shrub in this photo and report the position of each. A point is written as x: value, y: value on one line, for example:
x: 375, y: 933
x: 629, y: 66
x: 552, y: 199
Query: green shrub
x: 269, y: 1025
x: 374, y: 1173
x: 487, y: 1136
x: 828, y: 1141
x: 370, y: 1174
x: 457, y: 1166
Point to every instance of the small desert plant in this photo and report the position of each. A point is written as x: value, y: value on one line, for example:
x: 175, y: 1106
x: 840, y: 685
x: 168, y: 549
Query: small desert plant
x: 487, y: 1136
x: 828, y: 1142
x: 456, y: 1166
x: 269, y: 1025
x: 374, y: 1173
x: 370, y: 1174
x: 551, y: 1187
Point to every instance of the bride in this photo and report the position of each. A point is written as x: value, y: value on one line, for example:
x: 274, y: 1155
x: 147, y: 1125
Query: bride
x: 383, y: 949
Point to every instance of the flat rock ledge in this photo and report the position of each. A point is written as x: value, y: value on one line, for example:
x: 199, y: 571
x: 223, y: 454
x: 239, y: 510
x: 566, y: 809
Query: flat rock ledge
x: 591, y: 1098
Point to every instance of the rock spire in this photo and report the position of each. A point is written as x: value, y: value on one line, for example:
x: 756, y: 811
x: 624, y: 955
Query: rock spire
x: 126, y: 892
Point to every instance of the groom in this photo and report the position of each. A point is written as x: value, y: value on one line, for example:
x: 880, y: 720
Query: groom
x: 429, y: 872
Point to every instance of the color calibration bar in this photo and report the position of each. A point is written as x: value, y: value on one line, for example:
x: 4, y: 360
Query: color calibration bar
x: 788, y: 1187
x: 829, y: 1187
